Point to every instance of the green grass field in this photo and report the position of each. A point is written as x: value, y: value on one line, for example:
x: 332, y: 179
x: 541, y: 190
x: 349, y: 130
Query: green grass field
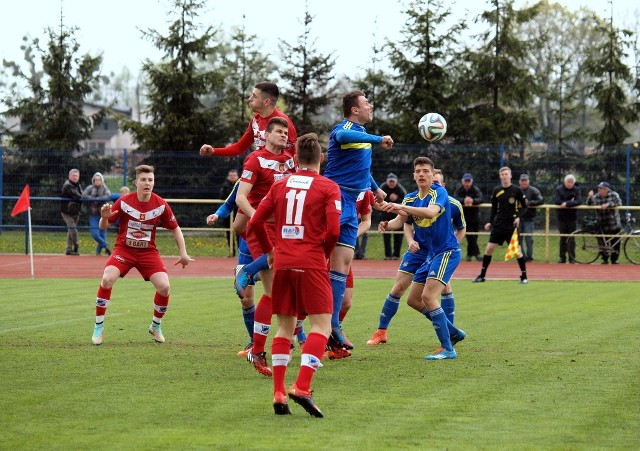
x: 544, y: 366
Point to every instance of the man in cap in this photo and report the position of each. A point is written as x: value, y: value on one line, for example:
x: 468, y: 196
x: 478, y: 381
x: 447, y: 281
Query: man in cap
x: 608, y: 218
x: 470, y: 196
x: 527, y: 224
x: 395, y: 193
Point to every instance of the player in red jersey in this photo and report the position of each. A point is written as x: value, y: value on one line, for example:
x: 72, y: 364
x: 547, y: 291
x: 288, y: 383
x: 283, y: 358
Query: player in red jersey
x: 261, y: 169
x: 306, y: 207
x: 139, y: 213
x: 262, y: 102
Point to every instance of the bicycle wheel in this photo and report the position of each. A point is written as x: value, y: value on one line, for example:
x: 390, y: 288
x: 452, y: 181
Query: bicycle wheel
x: 632, y: 247
x: 586, y: 245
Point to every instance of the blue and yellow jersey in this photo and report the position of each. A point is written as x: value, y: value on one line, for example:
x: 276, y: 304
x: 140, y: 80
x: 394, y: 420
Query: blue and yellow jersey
x: 457, y: 215
x: 349, y: 156
x: 435, y: 234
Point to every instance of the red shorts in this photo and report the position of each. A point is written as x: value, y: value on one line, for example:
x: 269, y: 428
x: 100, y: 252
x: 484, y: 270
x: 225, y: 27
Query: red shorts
x: 252, y: 240
x: 297, y: 292
x: 147, y: 261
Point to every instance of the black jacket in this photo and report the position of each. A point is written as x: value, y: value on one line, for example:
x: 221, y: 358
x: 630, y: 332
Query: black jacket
x: 470, y: 213
x: 572, y: 198
x: 72, y: 191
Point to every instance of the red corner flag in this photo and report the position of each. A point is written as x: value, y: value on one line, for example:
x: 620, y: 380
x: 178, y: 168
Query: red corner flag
x: 23, y: 203
x: 514, y: 246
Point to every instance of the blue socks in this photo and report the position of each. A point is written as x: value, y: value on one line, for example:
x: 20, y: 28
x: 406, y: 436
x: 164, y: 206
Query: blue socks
x: 248, y: 315
x: 389, y: 309
x: 442, y: 330
x: 448, y: 305
x: 338, y: 285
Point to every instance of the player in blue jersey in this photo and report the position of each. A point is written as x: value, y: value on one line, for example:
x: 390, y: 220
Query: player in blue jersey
x: 244, y: 258
x: 416, y: 255
x: 459, y: 223
x: 429, y: 210
x: 349, y: 165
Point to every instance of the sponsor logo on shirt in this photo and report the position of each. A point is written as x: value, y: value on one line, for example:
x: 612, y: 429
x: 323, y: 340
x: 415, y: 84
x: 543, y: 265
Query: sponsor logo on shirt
x: 338, y: 205
x: 292, y: 232
x: 246, y: 174
x: 299, y: 182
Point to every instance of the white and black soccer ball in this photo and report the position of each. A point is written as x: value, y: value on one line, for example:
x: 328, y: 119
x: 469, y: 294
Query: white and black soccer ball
x: 432, y: 127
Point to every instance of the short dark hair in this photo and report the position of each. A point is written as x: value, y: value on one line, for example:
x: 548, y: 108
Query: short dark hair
x: 270, y: 89
x: 350, y: 100
x: 144, y: 168
x: 282, y: 122
x: 423, y: 160
x: 308, y: 149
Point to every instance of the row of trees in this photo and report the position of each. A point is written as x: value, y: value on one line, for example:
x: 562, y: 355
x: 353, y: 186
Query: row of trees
x: 541, y: 73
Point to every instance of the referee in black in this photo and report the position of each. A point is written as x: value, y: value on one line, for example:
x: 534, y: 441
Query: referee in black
x: 508, y: 205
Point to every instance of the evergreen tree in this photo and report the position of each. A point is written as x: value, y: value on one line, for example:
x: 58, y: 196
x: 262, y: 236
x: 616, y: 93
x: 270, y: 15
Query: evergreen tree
x: 496, y: 88
x: 307, y: 75
x: 177, y: 118
x: 605, y: 62
x: 421, y: 60
x: 51, y: 115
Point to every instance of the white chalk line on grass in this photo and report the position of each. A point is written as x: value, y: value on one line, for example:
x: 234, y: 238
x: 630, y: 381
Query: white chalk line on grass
x: 50, y: 324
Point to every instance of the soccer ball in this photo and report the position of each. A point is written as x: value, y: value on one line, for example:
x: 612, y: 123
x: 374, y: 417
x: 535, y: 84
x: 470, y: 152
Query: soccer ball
x: 432, y: 127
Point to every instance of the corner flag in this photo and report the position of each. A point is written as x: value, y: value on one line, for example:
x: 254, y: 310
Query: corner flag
x: 23, y: 204
x: 514, y: 247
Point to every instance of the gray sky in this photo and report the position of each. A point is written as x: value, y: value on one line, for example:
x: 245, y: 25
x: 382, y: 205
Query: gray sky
x: 111, y: 28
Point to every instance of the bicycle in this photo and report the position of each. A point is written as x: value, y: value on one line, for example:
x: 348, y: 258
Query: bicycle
x: 591, y: 241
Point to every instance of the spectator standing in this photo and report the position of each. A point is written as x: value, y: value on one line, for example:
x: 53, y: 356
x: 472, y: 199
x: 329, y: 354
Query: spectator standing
x: 470, y: 196
x: 608, y: 218
x: 225, y: 191
x: 567, y: 196
x: 97, y: 190
x: 70, y: 210
x: 395, y: 193
x: 527, y: 224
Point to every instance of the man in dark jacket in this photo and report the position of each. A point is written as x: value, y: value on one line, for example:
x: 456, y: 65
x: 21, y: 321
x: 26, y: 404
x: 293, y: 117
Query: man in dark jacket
x: 470, y: 196
x: 527, y: 224
x: 567, y: 196
x: 71, y: 210
x: 395, y: 193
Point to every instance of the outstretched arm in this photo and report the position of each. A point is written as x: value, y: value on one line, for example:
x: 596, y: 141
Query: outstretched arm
x: 184, y: 259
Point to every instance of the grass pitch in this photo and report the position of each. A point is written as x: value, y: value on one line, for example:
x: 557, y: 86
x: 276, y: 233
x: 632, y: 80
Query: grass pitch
x: 550, y: 365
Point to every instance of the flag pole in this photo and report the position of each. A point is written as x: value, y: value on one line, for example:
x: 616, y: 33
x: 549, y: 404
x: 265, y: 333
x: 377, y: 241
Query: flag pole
x: 30, y: 243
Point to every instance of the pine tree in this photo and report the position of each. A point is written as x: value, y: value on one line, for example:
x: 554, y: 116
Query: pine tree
x: 177, y: 118
x: 51, y: 114
x: 421, y: 60
x: 605, y: 64
x: 496, y: 88
x: 307, y: 75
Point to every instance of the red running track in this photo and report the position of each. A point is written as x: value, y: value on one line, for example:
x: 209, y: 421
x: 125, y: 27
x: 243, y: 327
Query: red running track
x: 15, y: 266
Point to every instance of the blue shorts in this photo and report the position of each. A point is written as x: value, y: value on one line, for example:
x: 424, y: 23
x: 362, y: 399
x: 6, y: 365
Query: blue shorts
x: 348, y: 219
x: 412, y: 261
x: 440, y: 267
